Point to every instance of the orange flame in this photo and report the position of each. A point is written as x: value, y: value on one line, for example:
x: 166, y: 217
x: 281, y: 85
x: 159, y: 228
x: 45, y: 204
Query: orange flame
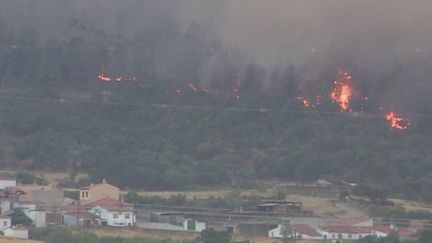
x: 397, y: 122
x: 192, y: 87
x: 342, y: 91
x: 105, y: 77
x: 306, y: 102
x: 235, y: 92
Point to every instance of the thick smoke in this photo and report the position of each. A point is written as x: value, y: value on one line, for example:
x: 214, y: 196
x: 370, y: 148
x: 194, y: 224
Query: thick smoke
x: 379, y: 39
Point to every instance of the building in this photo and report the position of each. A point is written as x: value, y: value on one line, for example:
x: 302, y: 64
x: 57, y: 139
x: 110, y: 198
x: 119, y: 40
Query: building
x: 74, y: 215
x: 340, y: 233
x: 34, y: 212
x: 280, y: 206
x: 53, y: 198
x: 18, y: 232
x: 297, y: 231
x: 113, y: 212
x: 193, y: 225
x: 5, y: 222
x: 38, y: 216
x: 7, y: 183
x: 95, y: 192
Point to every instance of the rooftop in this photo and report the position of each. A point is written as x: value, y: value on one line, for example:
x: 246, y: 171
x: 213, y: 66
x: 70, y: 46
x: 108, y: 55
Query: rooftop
x: 348, y: 229
x: 305, y: 229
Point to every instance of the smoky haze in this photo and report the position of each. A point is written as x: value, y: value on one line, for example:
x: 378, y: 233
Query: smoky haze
x: 375, y: 37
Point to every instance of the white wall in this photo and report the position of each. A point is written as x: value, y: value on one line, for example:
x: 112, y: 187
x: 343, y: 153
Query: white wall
x: 108, y: 216
x: 7, y: 183
x: 5, y: 223
x: 345, y: 236
x: 6, y: 206
x: 20, y: 234
x: 276, y: 233
x: 199, y: 226
x: 38, y: 217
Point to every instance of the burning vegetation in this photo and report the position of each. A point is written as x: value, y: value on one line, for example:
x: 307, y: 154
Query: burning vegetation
x: 397, y: 122
x: 342, y: 91
x: 306, y: 102
x: 342, y: 94
x: 107, y: 78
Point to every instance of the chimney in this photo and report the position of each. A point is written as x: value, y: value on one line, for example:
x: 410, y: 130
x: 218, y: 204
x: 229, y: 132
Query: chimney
x: 103, y: 181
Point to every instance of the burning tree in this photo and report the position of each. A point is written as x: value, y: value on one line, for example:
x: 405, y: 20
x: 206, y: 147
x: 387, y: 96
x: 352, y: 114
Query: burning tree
x: 342, y: 91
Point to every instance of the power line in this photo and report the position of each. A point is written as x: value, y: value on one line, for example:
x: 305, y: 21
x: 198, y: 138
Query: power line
x: 263, y: 110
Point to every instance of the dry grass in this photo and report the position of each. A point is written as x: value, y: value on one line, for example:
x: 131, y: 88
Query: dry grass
x: 319, y: 205
x: 141, y: 233
x: 9, y: 240
x: 412, y: 205
x: 205, y: 194
x: 174, y: 235
x: 56, y: 177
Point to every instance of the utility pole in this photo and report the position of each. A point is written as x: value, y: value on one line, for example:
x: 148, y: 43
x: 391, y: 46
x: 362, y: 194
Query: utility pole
x: 285, y: 230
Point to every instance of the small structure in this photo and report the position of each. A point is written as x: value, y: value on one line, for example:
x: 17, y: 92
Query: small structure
x: 280, y: 206
x: 5, y: 222
x: 19, y: 232
x: 75, y: 215
x: 193, y: 225
x: 95, y: 192
x: 34, y: 212
x: 38, y: 216
x: 113, y: 212
x: 163, y: 217
x: 297, y: 231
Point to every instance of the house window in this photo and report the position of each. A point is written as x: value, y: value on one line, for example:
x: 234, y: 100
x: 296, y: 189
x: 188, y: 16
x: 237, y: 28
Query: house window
x: 115, y: 215
x: 86, y: 195
x: 5, y: 223
x: 350, y: 236
x: 82, y: 194
x: 127, y: 216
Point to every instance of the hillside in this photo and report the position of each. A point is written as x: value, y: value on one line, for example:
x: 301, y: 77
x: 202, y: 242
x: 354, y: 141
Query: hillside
x: 172, y: 107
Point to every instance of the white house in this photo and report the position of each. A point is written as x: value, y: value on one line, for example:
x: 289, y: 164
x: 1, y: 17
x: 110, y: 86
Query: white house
x: 5, y: 222
x: 193, y: 225
x: 7, y: 183
x: 18, y: 232
x: 338, y: 233
x: 299, y: 231
x: 112, y: 212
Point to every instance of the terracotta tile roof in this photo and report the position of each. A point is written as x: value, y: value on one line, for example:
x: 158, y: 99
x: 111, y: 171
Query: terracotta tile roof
x: 106, y: 202
x: 111, y: 205
x: 352, y: 221
x: 387, y: 229
x: 348, y: 229
x: 305, y: 229
x: 2, y: 216
x: 73, y: 209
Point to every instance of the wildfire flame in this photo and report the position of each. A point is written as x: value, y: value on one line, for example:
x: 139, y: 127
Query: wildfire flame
x: 235, y: 92
x: 193, y: 87
x: 397, y: 122
x: 107, y: 78
x: 306, y: 102
x: 342, y: 91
